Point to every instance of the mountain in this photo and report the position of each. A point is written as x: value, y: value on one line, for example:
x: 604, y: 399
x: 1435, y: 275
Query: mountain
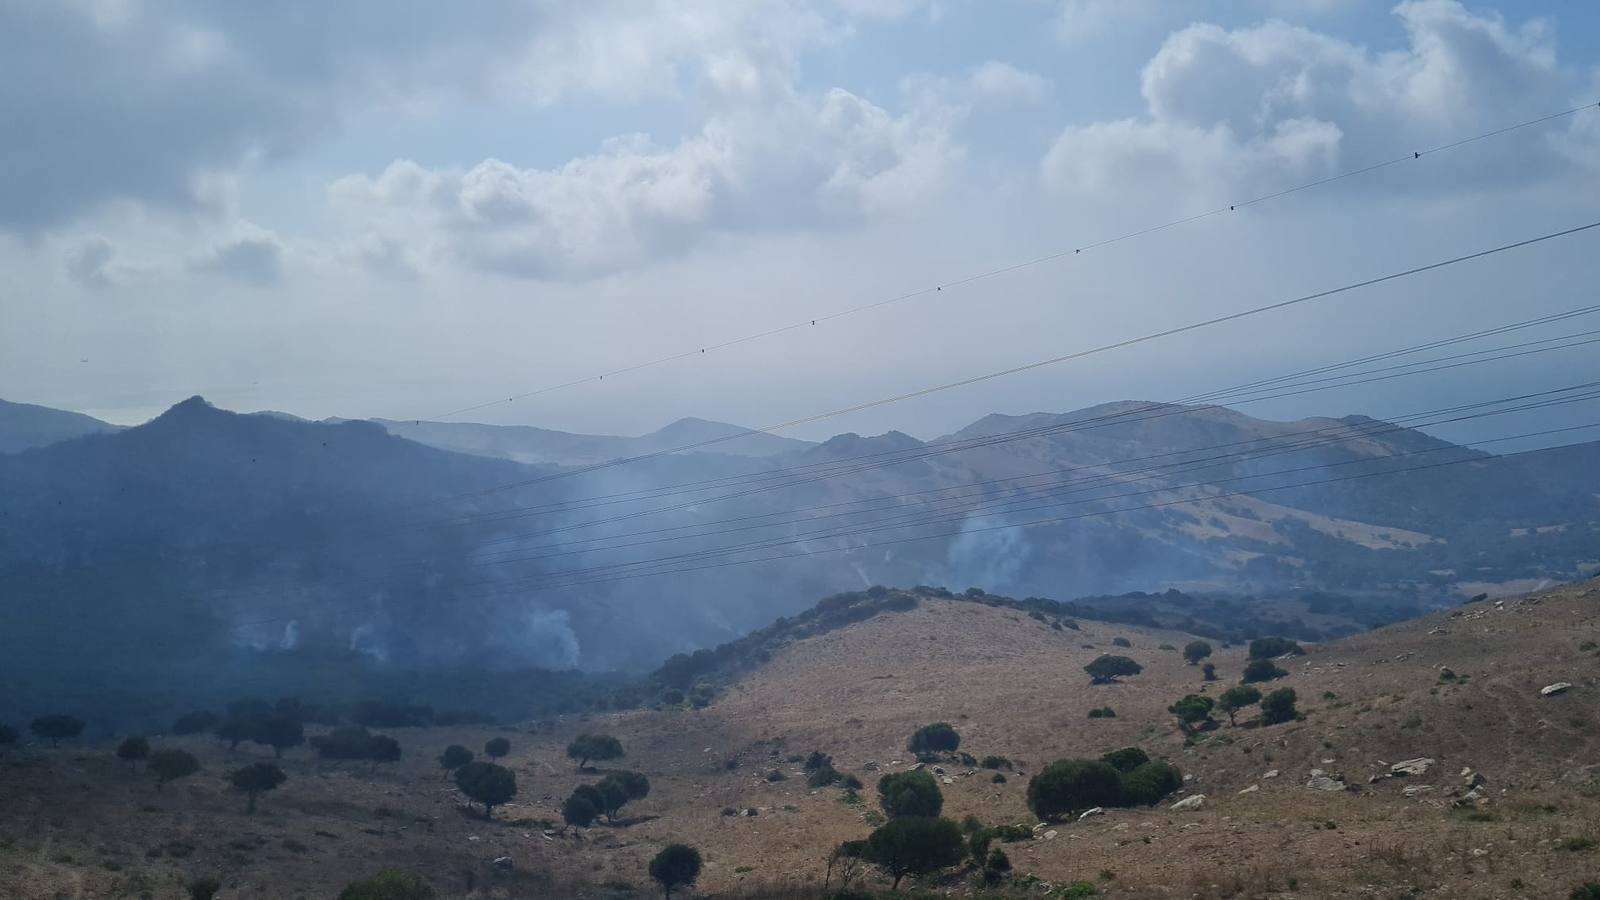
x: 24, y: 426
x: 523, y: 443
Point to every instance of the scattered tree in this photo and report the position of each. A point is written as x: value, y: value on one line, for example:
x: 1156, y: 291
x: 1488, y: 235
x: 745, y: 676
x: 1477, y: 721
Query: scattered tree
x: 634, y: 784
x: 1236, y: 698
x: 1107, y: 669
x: 278, y: 731
x: 677, y: 865
x: 915, y: 845
x: 1072, y: 785
x: 1121, y: 642
x: 454, y: 757
x: 579, y: 811
x: 1194, y: 651
x: 1125, y: 760
x: 912, y: 793
x: 1278, y: 706
x: 487, y: 783
x: 495, y: 748
x: 133, y: 749
x: 56, y: 728
x: 1209, y: 671
x: 233, y: 731
x: 940, y: 737
x: 356, y: 742
x: 1259, y: 670
x: 846, y: 859
x: 255, y: 779
x: 195, y: 722
x: 599, y: 747
x: 170, y: 764
x: 1150, y: 782
x: 1274, y: 647
x: 1102, y: 712
x: 390, y: 884
x: 1193, y: 711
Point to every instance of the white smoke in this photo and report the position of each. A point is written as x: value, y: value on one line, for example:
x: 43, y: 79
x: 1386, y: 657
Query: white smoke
x: 991, y: 559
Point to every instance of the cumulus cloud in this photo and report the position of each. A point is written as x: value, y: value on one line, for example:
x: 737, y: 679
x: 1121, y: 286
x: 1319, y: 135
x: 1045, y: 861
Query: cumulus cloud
x: 254, y: 259
x: 835, y: 157
x: 1261, y: 105
x: 89, y: 264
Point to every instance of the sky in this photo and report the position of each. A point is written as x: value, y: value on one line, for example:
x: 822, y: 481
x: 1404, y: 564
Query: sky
x: 399, y: 209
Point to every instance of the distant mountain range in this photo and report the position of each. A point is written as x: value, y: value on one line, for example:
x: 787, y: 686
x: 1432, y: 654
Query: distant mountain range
x: 205, y: 531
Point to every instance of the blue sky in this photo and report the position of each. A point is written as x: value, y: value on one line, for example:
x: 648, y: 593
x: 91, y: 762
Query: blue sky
x: 373, y: 208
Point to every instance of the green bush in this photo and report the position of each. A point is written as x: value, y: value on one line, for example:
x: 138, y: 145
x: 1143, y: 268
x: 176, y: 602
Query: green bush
x: 995, y: 762
x: 487, y: 783
x: 454, y: 757
x: 1278, y: 706
x: 677, y: 865
x: 598, y: 747
x: 133, y: 749
x: 495, y: 748
x: 1236, y: 698
x: 940, y: 737
x: 1102, y: 712
x: 1194, y: 651
x: 1072, y: 785
x: 1274, y: 647
x: 255, y: 779
x: 910, y: 794
x: 1121, y: 642
x: 1147, y: 784
x: 915, y: 845
x: 1107, y: 669
x: 204, y: 888
x: 170, y: 764
x: 1589, y: 890
x: 1260, y: 670
x: 579, y: 810
x: 1192, y: 712
x: 1209, y: 671
x: 390, y: 884
x: 1125, y: 760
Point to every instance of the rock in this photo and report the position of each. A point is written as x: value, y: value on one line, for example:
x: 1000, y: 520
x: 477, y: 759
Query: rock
x: 1326, y: 783
x: 938, y: 770
x: 1471, y: 778
x: 947, y: 780
x: 1188, y: 804
x: 1479, y: 851
x: 1583, y: 775
x: 1271, y: 773
x: 1050, y: 835
x: 1328, y: 761
x: 1560, y: 687
x: 1317, y: 773
x: 1251, y: 789
x: 871, y: 766
x: 1418, y: 766
x: 1416, y: 790
x: 750, y: 812
x: 502, y: 863
x: 473, y: 838
x: 919, y: 767
x: 1447, y: 673
x: 1096, y: 811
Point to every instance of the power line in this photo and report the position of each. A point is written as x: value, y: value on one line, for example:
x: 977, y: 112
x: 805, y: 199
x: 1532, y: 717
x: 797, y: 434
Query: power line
x: 1013, y: 267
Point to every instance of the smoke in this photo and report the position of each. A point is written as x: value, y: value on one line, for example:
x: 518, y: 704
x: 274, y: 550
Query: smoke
x: 538, y: 637
x: 366, y: 640
x: 291, y: 635
x: 993, y: 559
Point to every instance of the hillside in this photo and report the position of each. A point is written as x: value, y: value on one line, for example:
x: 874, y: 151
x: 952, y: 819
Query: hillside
x: 24, y: 426
x: 1012, y: 685
x: 526, y: 444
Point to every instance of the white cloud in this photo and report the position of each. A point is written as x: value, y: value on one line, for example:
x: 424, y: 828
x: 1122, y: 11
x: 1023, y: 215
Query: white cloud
x: 1262, y: 105
x: 834, y: 158
x: 254, y: 258
x: 89, y: 264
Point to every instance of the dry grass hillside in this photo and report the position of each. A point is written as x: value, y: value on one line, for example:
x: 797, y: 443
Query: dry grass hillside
x: 78, y: 823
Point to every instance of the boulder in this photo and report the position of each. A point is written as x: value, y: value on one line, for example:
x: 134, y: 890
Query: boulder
x: 1560, y: 687
x: 1416, y: 790
x: 1251, y: 789
x: 1189, y: 804
x: 1270, y: 773
x: 1418, y: 766
x: 503, y: 863
x: 1321, y: 782
x: 938, y: 770
x: 1470, y: 777
x: 1096, y: 811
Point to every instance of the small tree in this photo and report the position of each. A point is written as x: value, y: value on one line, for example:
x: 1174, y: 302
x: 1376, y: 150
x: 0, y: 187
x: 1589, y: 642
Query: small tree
x: 599, y: 747
x: 1148, y: 783
x: 204, y: 888
x: 1071, y: 785
x: 279, y: 731
x: 1278, y: 706
x: 940, y: 737
x: 454, y: 757
x: 1209, y: 672
x: 677, y: 865
x: 1236, y: 698
x: 579, y: 811
x: 495, y: 748
x: 56, y: 728
x: 255, y: 779
x: 915, y: 845
x: 133, y: 749
x: 1107, y: 669
x: 619, y: 788
x: 487, y: 783
x: 1125, y: 760
x: 1194, y: 651
x: 1193, y: 711
x: 1273, y: 647
x: 390, y: 884
x: 170, y: 764
x: 1259, y: 670
x: 234, y: 731
x: 910, y: 794
x: 846, y: 859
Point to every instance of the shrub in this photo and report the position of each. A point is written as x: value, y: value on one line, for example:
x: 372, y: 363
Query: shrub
x: 1126, y: 760
x: 1070, y: 785
x: 1260, y: 670
x: 1192, y: 712
x: 1102, y: 712
x: 1278, y: 706
x: 677, y: 865
x: 204, y: 888
x: 278, y: 731
x: 133, y: 749
x: 356, y: 742
x: 390, y: 884
x: 851, y: 783
x: 996, y: 867
x: 1209, y: 671
x: 1107, y: 669
x: 1589, y: 890
x: 1236, y: 698
x: 910, y: 794
x: 1194, y: 651
x: 454, y: 757
x: 617, y: 789
x: 940, y: 737
x: 487, y: 783
x: 170, y: 764
x: 915, y: 845
x: 579, y: 810
x: 997, y: 778
x: 822, y: 777
x: 776, y: 776
x: 232, y: 731
x: 1151, y: 781
x: 8, y: 736
x: 56, y: 728
x: 1121, y: 642
x: 496, y: 748
x: 995, y: 762
x: 599, y: 747
x: 195, y: 722
x: 1274, y: 647
x: 255, y: 779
